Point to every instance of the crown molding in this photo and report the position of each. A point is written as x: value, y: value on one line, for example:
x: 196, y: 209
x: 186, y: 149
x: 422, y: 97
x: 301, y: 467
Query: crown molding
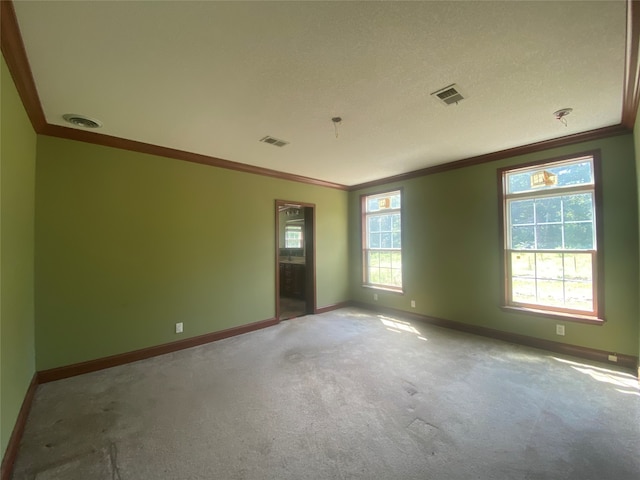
x: 15, y: 55
x: 631, y: 93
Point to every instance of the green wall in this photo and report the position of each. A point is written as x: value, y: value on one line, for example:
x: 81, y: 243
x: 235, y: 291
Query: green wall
x: 17, y: 185
x: 128, y: 244
x: 452, y: 255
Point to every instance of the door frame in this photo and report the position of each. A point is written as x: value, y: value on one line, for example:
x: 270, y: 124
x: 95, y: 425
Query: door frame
x: 310, y: 253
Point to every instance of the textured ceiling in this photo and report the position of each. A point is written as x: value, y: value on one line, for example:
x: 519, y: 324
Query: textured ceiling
x: 213, y: 78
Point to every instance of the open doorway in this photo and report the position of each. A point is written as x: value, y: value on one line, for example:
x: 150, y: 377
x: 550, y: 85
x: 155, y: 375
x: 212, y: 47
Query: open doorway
x: 295, y: 259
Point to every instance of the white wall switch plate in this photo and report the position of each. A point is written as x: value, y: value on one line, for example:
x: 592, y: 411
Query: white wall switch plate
x: 559, y: 329
x: 413, y: 304
x: 179, y: 327
x: 375, y: 296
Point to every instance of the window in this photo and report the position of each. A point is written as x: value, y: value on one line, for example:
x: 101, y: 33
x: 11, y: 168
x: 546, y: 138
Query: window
x: 293, y: 236
x: 551, y: 236
x: 382, y: 240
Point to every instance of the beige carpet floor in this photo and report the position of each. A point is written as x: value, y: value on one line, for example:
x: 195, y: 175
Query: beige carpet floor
x: 343, y: 395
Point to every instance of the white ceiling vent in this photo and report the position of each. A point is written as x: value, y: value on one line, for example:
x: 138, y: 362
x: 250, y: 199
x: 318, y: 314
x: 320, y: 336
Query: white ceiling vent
x: 274, y: 141
x: 81, y: 120
x: 449, y: 95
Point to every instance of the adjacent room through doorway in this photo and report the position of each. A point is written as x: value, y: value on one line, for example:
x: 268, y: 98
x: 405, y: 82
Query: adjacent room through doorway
x: 295, y: 268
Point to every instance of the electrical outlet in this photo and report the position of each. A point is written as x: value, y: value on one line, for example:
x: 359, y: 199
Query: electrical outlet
x: 559, y: 329
x: 179, y: 327
x: 413, y: 304
x: 613, y: 358
x: 375, y: 297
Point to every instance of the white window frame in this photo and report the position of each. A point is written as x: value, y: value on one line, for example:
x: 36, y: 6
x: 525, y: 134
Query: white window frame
x: 511, y: 253
x: 393, y: 269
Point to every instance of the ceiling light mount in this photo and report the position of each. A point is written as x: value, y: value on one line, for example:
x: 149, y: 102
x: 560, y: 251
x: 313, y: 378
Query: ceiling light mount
x: 336, y: 121
x: 81, y: 120
x: 561, y: 114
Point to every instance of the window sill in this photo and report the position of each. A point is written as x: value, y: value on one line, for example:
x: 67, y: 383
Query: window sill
x: 384, y: 289
x: 567, y: 317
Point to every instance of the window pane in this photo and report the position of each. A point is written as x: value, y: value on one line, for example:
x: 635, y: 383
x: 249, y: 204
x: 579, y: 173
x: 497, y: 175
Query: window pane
x: 579, y: 295
x: 549, y: 237
x: 374, y: 224
x: 396, y: 259
x: 523, y: 264
x: 577, y: 266
x: 386, y: 278
x: 519, y: 182
x: 397, y: 277
x: 385, y: 259
x: 374, y: 259
x: 382, y: 201
x: 396, y: 240
x: 578, y: 207
x: 293, y: 243
x: 385, y: 240
x: 395, y: 222
x: 374, y: 240
x: 549, y: 210
x: 574, y: 174
x: 550, y: 292
x: 521, y: 212
x: 385, y: 223
x: 523, y: 290
x: 523, y: 238
x: 549, y: 265
x: 578, y: 173
x: 552, y: 279
x: 372, y: 204
x: 374, y: 275
x: 578, y: 236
